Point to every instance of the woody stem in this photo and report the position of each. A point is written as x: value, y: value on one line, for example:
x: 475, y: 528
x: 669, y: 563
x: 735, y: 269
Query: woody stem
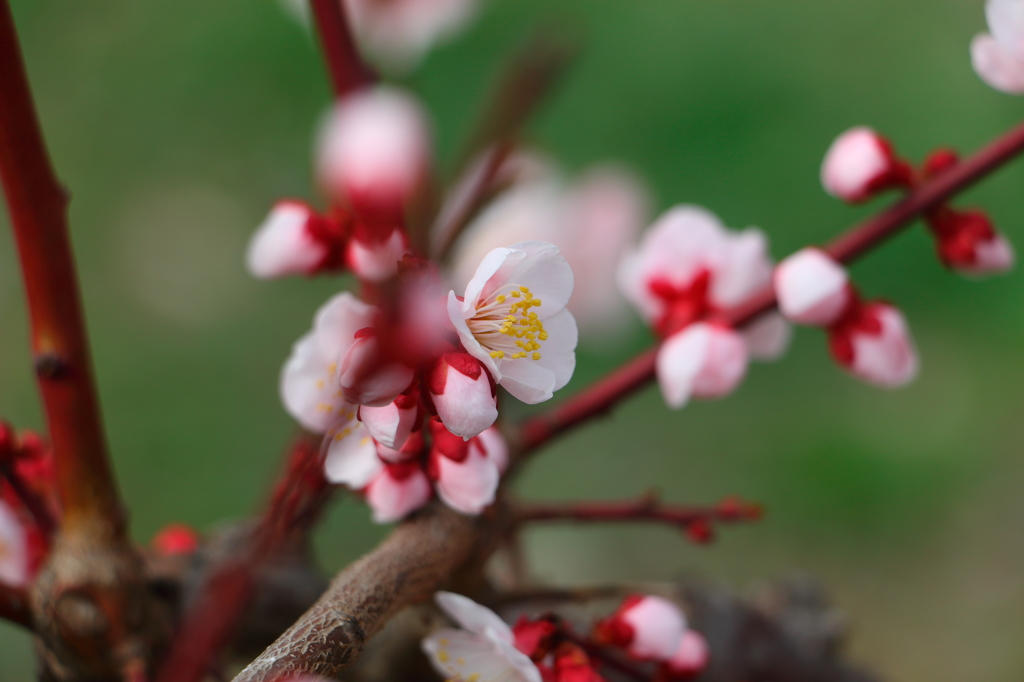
x: 346, y: 68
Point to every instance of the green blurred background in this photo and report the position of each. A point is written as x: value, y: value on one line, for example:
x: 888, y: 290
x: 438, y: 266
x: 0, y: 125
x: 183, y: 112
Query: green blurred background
x: 176, y: 124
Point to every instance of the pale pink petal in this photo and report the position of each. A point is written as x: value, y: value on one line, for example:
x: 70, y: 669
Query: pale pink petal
x: 464, y: 402
x: 492, y: 444
x: 469, y: 342
x: 658, y: 627
x: 558, y: 354
x: 888, y: 359
x: 374, y: 148
x: 496, y: 260
x: 390, y: 425
x: 811, y: 287
x: 392, y: 499
x: 468, y: 486
x: 528, y: 381
x: 996, y: 65
x: 857, y: 159
x: 994, y: 256
x: 364, y: 385
x: 543, y: 270
x: 767, y: 337
x: 1006, y: 22
x: 701, y: 361
x: 352, y: 457
x: 337, y: 322
x: 397, y: 34
x: 283, y: 244
x: 472, y: 616
x: 690, y: 658
x: 309, y: 389
x: 743, y: 268
x: 14, y: 557
x: 377, y: 262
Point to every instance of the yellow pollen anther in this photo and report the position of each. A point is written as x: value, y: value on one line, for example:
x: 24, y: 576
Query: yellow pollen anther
x: 536, y: 356
x: 497, y: 354
x: 442, y: 655
x: 515, y: 294
x: 525, y: 290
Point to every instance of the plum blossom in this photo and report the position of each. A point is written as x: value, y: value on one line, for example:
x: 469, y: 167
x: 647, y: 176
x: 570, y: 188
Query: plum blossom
x: 591, y: 220
x: 483, y: 649
x: 397, y: 491
x: 373, y: 153
x: 645, y: 626
x: 392, y: 424
x: 512, y: 319
x: 811, y: 288
x: 467, y: 472
x: 872, y: 341
x: 689, y: 659
x: 998, y: 56
x: 15, y: 569
x: 293, y: 240
x: 463, y: 394
x: 687, y: 268
x: 860, y: 164
x: 309, y: 381
x: 968, y: 242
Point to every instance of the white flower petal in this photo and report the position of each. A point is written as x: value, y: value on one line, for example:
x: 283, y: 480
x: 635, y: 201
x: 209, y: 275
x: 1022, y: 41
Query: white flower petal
x: 337, y: 322
x: 14, y: 558
x: 558, y: 354
x: 545, y: 272
x: 1006, y: 22
x: 528, y: 380
x: 472, y: 616
x: 469, y: 342
x: 701, y: 361
x: 494, y: 261
x: 888, y: 359
x: 352, y: 457
x: 767, y: 337
x: 466, y: 406
x: 389, y: 425
x: 468, y: 486
x: 283, y: 245
x: 811, y: 287
x: 996, y: 65
x: 377, y: 262
x: 494, y: 447
x: 856, y: 159
x: 745, y: 267
x: 309, y: 390
x: 991, y: 257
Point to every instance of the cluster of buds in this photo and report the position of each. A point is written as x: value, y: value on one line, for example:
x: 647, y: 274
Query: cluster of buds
x: 870, y: 339
x: 28, y: 504
x: 648, y: 629
x: 861, y: 164
x: 687, y: 270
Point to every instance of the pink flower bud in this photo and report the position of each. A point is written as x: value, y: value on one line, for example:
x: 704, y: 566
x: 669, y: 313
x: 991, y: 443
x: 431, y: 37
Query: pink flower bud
x: 376, y: 261
x: 373, y: 153
x: 647, y: 627
x: 463, y: 394
x: 467, y: 486
x: 688, y: 661
x: 703, y: 360
x: 873, y: 343
x: 412, y: 449
x: 399, y: 490
x: 968, y: 242
x: 811, y: 287
x: 175, y: 539
x: 368, y: 379
x: 860, y: 164
x: 293, y: 240
x: 999, y: 58
x: 15, y: 568
x: 391, y: 424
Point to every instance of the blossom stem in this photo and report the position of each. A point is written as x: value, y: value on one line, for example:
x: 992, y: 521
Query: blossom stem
x: 622, y: 382
x: 37, y: 205
x: 208, y: 626
x: 530, y: 76
x: 609, y: 658
x: 647, y: 509
x: 346, y: 67
x: 14, y: 607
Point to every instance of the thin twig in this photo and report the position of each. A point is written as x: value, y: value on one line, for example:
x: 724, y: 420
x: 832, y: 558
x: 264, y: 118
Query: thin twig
x: 37, y: 204
x: 208, y: 626
x: 346, y: 68
x: 14, y: 606
x: 36, y: 505
x: 607, y: 392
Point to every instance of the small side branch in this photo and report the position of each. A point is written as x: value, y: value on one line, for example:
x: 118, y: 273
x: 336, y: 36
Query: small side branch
x: 696, y: 521
x: 607, y: 392
x: 14, y: 606
x: 347, y: 69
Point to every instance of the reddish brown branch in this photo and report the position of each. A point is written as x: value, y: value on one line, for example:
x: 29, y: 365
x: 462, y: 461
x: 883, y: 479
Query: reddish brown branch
x: 37, y: 204
x: 211, y: 622
x: 347, y: 69
x: 605, y: 393
x: 36, y: 505
x: 694, y: 520
x: 14, y: 606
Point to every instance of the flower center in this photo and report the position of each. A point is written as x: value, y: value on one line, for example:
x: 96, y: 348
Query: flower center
x: 506, y: 326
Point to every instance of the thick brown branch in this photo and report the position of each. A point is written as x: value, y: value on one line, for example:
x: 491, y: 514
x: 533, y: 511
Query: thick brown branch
x: 14, y: 606
x: 347, y: 69
x: 37, y: 204
x: 413, y: 562
x: 607, y: 392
